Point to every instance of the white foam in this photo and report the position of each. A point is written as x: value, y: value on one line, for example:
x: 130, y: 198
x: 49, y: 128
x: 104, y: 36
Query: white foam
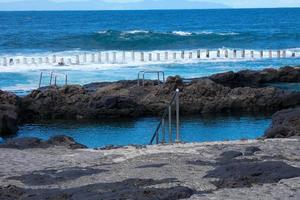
x: 230, y: 33
x: 136, y: 31
x: 102, y: 32
x: 215, y: 33
x: 182, y: 33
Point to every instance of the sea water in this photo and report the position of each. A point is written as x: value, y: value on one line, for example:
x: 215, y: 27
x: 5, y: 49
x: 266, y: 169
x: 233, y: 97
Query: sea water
x: 140, y: 131
x: 70, y: 33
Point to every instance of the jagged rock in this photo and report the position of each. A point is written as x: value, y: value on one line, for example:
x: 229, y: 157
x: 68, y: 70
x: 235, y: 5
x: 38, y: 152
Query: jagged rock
x: 245, y: 174
x: 256, y: 78
x: 126, y: 99
x: 228, y: 155
x: 174, y: 82
x: 9, y: 105
x: 134, y: 189
x: 285, y: 123
x: 28, y: 143
x: 66, y: 141
x: 24, y: 143
x: 249, y: 151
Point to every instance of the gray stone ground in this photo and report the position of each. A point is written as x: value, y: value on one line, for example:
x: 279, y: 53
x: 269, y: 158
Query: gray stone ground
x: 258, y: 169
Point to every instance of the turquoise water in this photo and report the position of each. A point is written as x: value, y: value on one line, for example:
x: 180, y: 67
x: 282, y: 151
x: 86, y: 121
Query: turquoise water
x: 287, y: 86
x: 140, y: 131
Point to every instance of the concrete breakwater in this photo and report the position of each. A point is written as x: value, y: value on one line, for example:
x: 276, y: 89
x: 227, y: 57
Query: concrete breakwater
x: 131, y: 57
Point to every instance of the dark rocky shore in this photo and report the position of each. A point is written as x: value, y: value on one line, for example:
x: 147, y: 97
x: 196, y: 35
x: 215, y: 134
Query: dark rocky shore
x: 221, y: 93
x: 285, y: 123
x: 251, y: 78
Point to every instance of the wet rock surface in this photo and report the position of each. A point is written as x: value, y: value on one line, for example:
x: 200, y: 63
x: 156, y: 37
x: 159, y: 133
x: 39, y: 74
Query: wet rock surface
x: 126, y: 99
x: 285, y: 123
x: 29, y: 143
x: 9, y: 105
x: 134, y: 189
x: 220, y: 170
x: 244, y: 174
x: 48, y: 177
x: 251, y: 78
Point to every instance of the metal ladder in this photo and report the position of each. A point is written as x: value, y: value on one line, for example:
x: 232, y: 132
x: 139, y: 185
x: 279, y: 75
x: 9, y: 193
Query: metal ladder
x: 55, y: 76
x: 151, y: 72
x: 161, y: 125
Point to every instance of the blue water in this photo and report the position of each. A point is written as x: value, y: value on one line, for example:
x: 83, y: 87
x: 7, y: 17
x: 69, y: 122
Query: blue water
x: 104, y: 30
x: 287, y: 86
x: 140, y: 131
x: 67, y: 33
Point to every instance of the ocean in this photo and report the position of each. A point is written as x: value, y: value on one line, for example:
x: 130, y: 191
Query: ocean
x: 65, y: 34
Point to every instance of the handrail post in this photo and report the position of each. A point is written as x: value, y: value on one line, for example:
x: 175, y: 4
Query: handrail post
x: 243, y: 53
x: 157, y: 137
x: 158, y: 79
x: 170, y: 124
x: 177, y: 117
x: 143, y: 79
x: 40, y: 82
x: 51, y: 75
x: 132, y: 56
x: 163, y: 131
x: 66, y: 80
x: 55, y: 80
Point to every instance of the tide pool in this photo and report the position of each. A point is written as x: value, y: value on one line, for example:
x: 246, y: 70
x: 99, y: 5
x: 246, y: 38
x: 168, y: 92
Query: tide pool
x: 140, y: 131
x: 286, y: 86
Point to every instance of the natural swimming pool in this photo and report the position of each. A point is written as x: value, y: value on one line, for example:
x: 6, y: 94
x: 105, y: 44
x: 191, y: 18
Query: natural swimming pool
x: 286, y: 86
x: 140, y: 131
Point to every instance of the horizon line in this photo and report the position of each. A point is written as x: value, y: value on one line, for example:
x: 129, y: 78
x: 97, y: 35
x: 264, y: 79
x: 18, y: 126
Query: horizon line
x: 154, y: 9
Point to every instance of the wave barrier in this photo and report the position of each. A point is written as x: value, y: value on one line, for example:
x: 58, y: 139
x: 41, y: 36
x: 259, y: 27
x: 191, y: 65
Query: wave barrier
x: 151, y: 57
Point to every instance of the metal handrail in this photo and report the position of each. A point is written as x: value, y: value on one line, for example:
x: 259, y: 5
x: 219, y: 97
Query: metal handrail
x: 167, y: 111
x: 151, y: 72
x: 55, y: 75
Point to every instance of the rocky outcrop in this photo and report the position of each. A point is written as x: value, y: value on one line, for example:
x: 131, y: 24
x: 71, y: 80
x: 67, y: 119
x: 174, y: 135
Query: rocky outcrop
x: 126, y: 99
x: 29, y: 143
x: 285, y: 123
x: 9, y: 106
x: 257, y: 78
x: 206, y: 96
x: 76, y: 102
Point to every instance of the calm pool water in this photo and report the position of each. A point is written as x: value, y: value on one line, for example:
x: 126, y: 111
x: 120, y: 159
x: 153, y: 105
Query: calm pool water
x: 193, y: 129
x: 287, y: 86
